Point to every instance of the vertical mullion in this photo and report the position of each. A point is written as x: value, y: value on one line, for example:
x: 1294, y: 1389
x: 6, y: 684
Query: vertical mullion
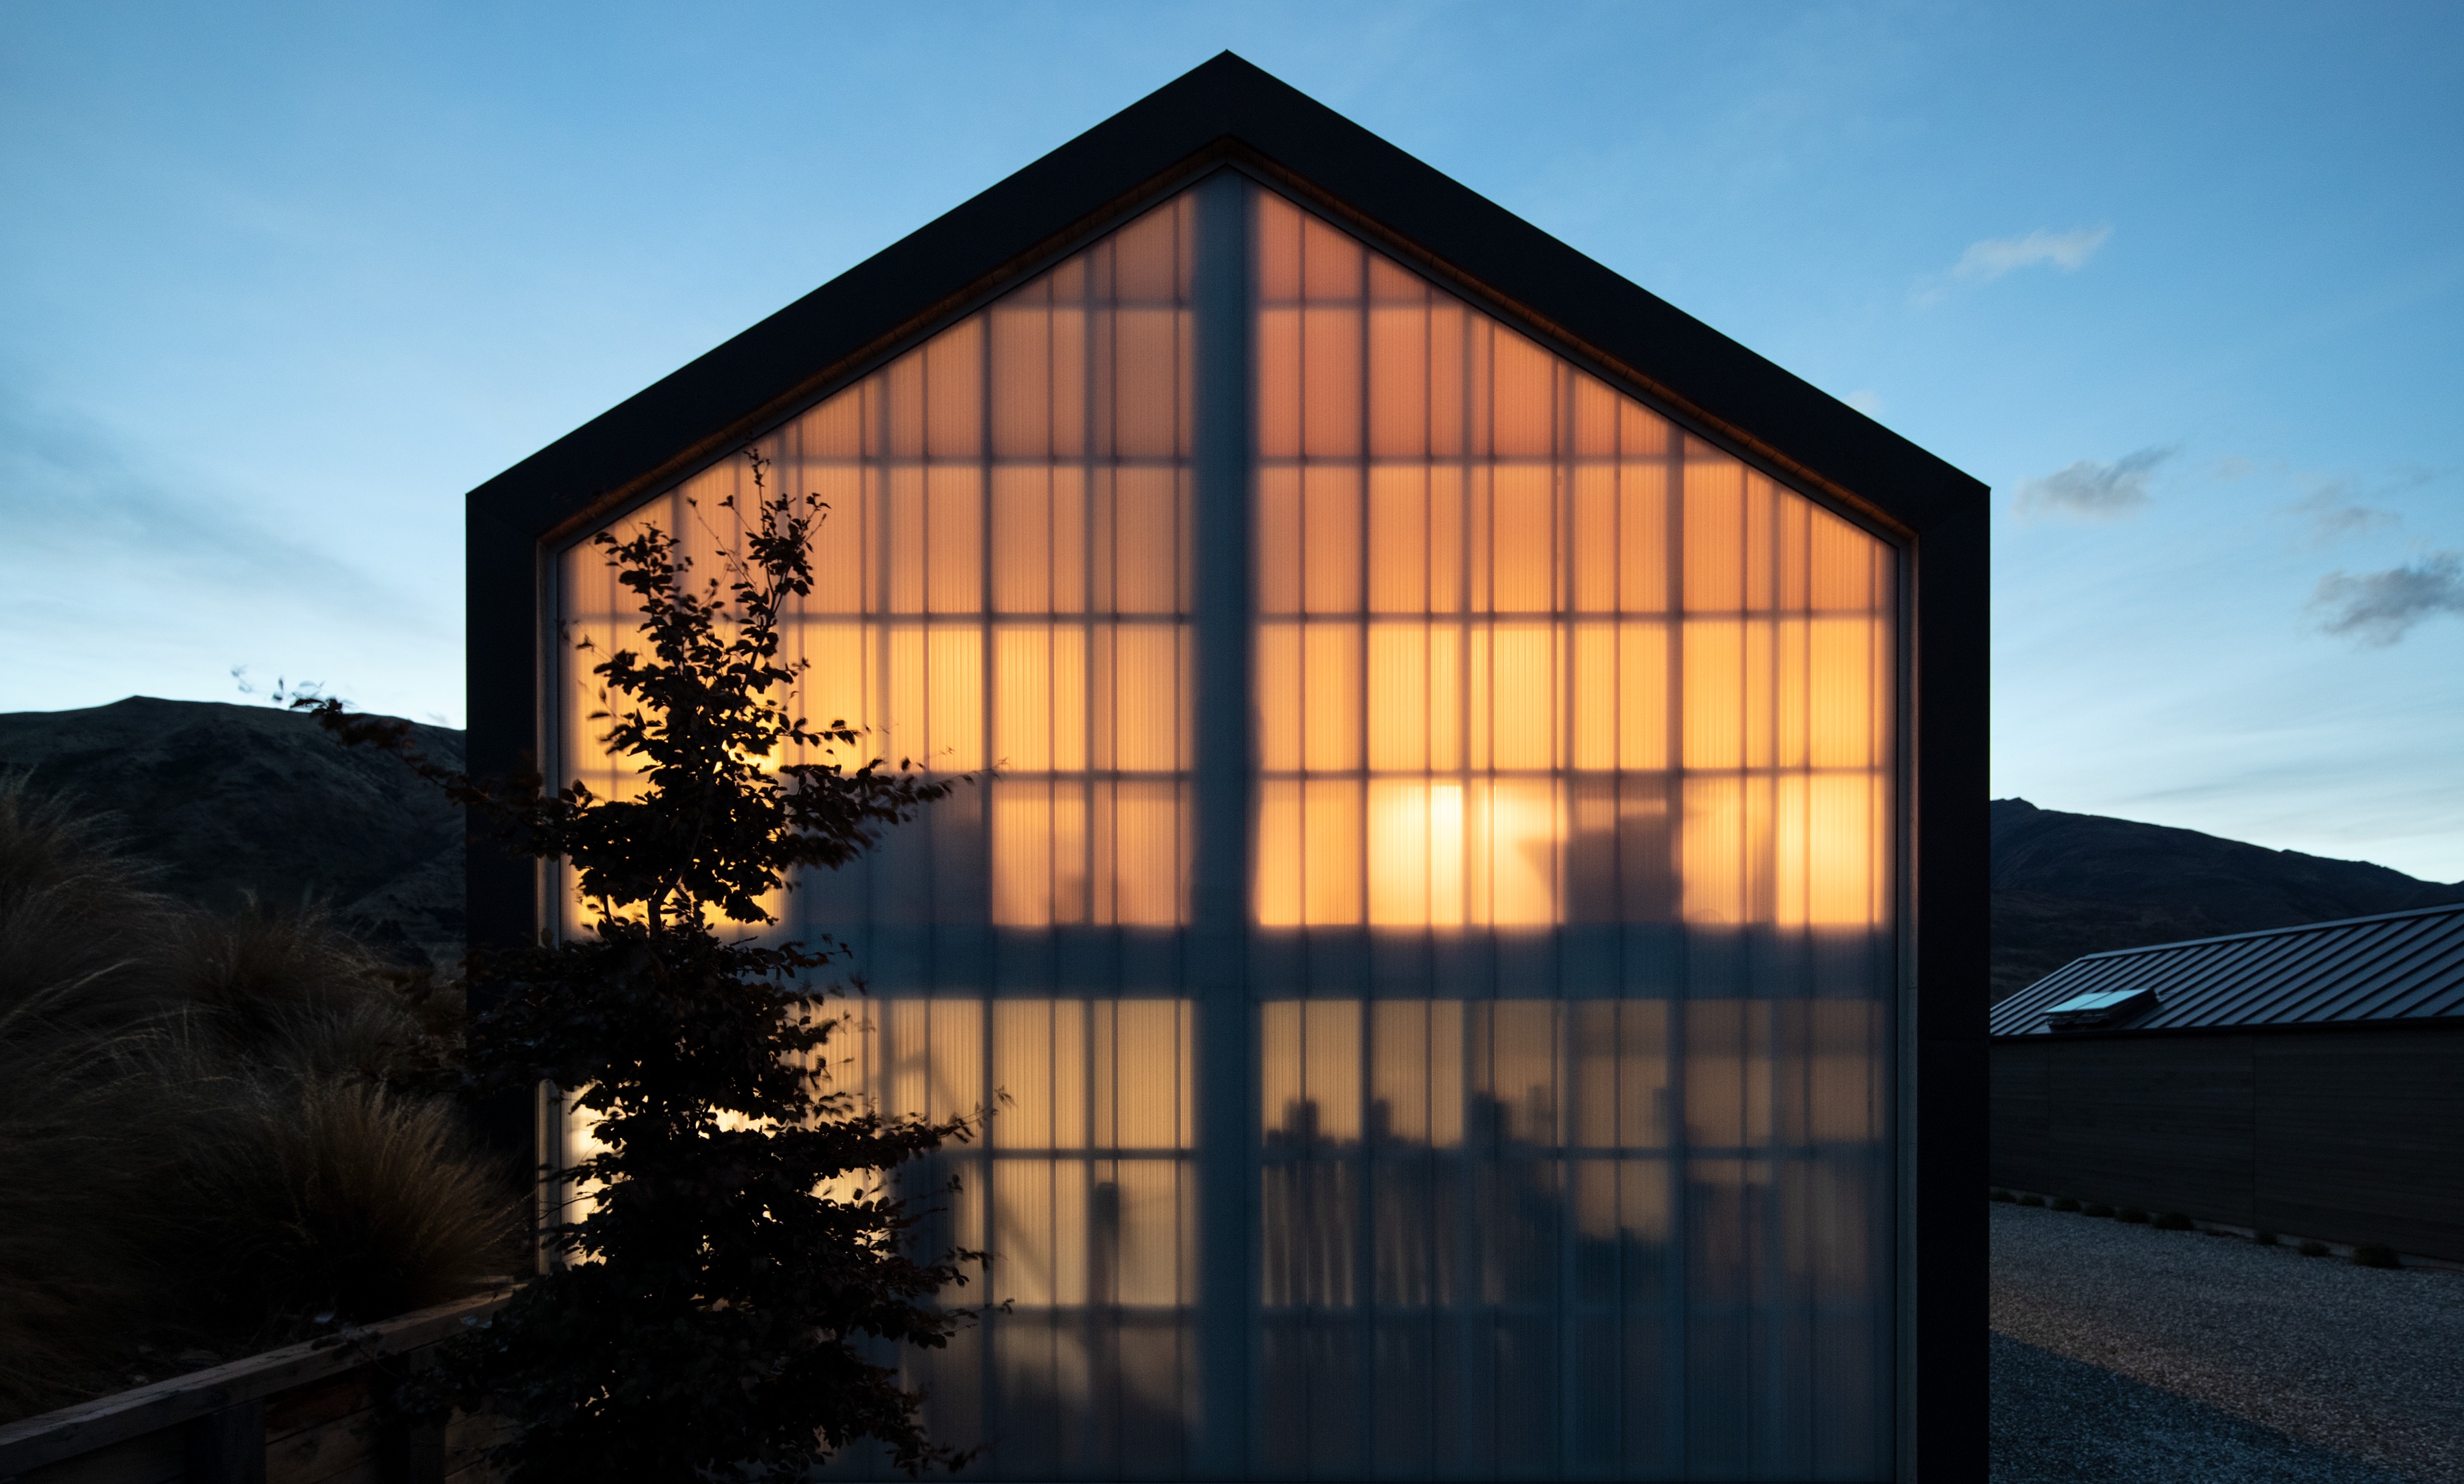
x: 875, y: 483
x: 1363, y: 1318
x: 1228, y: 1159
x: 1464, y: 1295
x: 1677, y: 1302
x: 1567, y: 1296
x: 1089, y: 705
x: 988, y: 663
x: 1425, y: 1162
x: 1620, y: 1278
x: 988, y: 658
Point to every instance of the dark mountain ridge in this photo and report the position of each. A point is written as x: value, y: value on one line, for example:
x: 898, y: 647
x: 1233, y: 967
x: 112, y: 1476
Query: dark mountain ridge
x: 2071, y: 884
x: 233, y: 801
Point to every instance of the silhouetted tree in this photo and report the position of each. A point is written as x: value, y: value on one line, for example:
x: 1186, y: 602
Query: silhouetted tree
x: 707, y: 1317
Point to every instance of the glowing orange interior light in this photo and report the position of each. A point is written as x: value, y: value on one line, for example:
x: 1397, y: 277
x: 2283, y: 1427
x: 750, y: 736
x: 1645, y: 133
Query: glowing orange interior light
x: 1485, y: 578
x: 1574, y: 739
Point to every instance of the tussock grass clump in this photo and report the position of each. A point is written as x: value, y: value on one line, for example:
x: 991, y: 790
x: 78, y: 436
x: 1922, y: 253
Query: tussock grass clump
x: 79, y: 923
x: 82, y: 1243
x: 2132, y: 1216
x: 2066, y: 1203
x: 2266, y: 1238
x: 213, y: 1130
x: 333, y: 1195
x: 2376, y: 1254
x: 2032, y: 1200
x: 1999, y: 1194
x: 2174, y: 1221
x: 2313, y: 1247
x: 2096, y: 1209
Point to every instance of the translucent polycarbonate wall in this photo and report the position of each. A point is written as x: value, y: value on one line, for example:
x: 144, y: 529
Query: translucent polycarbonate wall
x: 1528, y: 654
x: 1573, y: 888
x: 1002, y: 589
x: 1531, y: 1120
x: 1000, y: 582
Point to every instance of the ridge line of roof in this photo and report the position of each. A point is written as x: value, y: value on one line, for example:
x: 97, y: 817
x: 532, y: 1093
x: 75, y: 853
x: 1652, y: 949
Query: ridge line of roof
x: 1226, y: 100
x: 2264, y: 932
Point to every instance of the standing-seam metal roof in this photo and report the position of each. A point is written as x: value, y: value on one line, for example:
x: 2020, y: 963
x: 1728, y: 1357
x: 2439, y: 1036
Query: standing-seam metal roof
x: 2397, y: 966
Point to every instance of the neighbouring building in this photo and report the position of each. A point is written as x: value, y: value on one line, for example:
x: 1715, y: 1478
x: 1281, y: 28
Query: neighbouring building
x: 1476, y: 898
x: 2307, y: 1081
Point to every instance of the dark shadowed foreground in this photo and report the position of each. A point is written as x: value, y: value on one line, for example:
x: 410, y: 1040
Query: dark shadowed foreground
x: 2123, y: 1352
x: 217, y: 1133
x: 2057, y: 1420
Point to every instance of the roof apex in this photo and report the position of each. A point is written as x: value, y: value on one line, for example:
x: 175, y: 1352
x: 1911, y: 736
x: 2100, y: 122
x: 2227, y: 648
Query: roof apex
x: 1223, y: 112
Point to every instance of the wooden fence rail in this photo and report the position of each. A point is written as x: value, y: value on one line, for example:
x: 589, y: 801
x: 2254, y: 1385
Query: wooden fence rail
x: 312, y: 1414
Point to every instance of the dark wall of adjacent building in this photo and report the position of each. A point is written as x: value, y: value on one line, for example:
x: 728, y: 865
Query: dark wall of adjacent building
x: 2345, y: 1135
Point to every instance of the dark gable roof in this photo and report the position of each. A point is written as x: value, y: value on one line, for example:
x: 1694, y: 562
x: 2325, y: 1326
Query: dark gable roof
x: 1225, y: 111
x: 2396, y: 966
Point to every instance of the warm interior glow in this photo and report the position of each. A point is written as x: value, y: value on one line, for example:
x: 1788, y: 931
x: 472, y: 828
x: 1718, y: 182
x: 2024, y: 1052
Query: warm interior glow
x: 1572, y: 848
x: 1081, y: 1181
x: 1002, y: 579
x: 1468, y: 554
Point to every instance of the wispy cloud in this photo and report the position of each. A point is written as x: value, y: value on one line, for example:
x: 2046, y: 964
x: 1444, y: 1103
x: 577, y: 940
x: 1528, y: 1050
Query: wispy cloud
x: 2096, y: 490
x: 75, y: 492
x: 1991, y: 258
x: 2378, y: 608
x: 2334, y: 510
x: 2333, y: 514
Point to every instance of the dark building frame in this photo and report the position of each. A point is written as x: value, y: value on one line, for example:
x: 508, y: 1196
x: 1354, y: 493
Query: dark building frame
x: 1227, y: 113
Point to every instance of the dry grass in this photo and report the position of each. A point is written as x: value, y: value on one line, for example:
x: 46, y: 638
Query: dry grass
x: 336, y: 1196
x: 211, y: 1132
x: 79, y: 1238
x: 79, y: 926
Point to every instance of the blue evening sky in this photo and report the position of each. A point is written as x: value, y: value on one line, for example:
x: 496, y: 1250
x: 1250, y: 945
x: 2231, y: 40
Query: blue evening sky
x: 2184, y: 284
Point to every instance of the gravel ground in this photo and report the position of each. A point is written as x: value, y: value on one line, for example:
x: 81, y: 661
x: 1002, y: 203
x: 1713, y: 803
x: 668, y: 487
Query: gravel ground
x: 2059, y: 1420
x: 2171, y: 1351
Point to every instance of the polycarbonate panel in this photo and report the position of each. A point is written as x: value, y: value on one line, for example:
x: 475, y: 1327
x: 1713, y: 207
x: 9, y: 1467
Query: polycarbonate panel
x: 1573, y: 886
x: 1001, y: 588
x: 1000, y: 585
x: 1555, y: 992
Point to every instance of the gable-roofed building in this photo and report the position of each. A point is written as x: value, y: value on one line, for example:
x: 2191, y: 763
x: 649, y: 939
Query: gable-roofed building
x: 2307, y: 1080
x: 1477, y: 767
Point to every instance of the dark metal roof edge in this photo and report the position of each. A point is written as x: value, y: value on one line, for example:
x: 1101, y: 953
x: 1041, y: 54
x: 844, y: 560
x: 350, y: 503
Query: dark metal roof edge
x: 2387, y: 967
x: 2263, y: 932
x: 2452, y: 1021
x: 1222, y: 109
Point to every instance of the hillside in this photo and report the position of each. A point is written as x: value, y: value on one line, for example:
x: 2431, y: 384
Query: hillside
x: 237, y: 799
x: 2071, y: 884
